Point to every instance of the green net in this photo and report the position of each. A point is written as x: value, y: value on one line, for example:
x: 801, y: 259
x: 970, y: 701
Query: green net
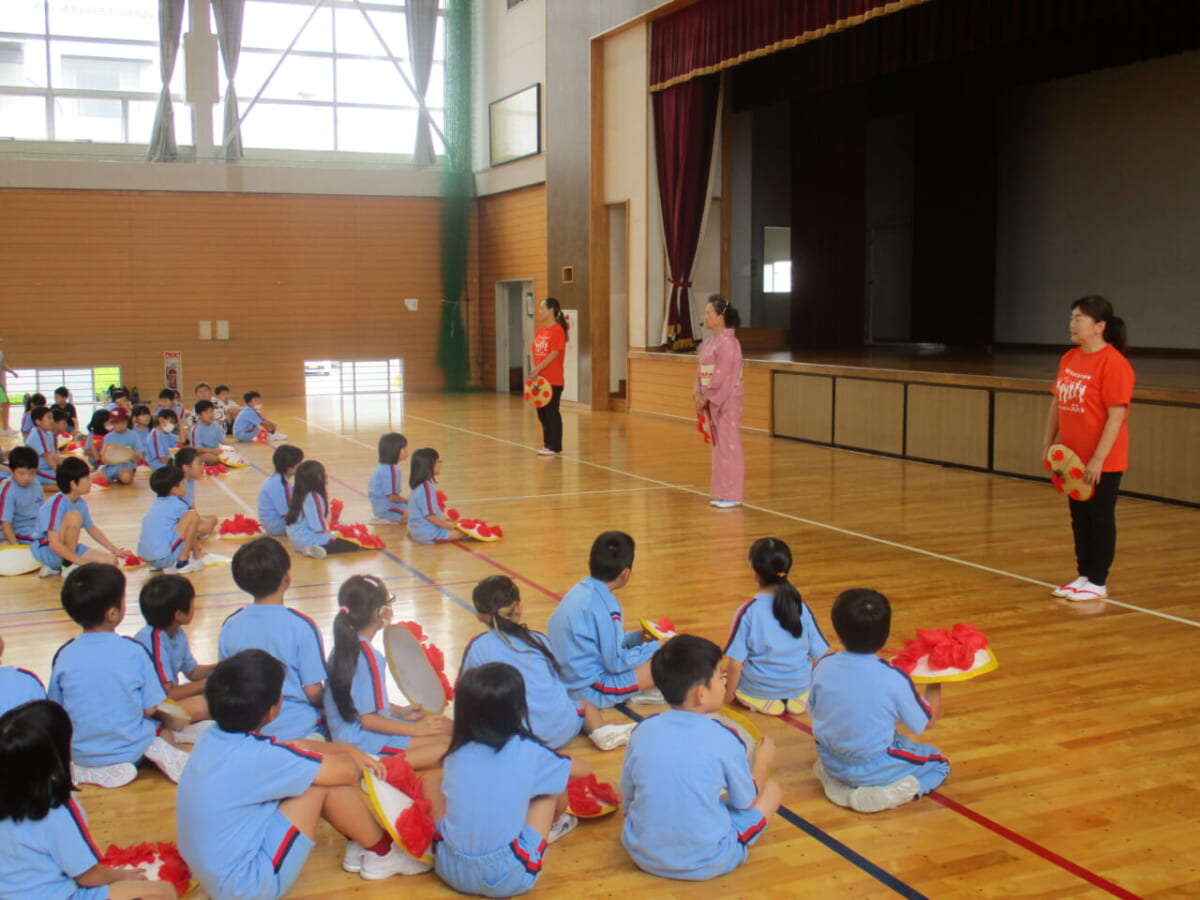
x: 458, y: 190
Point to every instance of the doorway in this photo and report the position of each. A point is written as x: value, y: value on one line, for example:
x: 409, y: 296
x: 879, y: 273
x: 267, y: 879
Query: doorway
x: 514, y: 333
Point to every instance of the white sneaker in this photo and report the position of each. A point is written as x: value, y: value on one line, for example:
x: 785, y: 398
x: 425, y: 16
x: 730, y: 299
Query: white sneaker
x: 277, y: 436
x: 380, y: 520
x: 395, y: 862
x: 562, y: 825
x: 114, y: 776
x: 1066, y: 590
x: 838, y: 792
x: 545, y: 451
x: 48, y: 572
x: 725, y: 504
x: 69, y: 569
x: 215, y: 559
x: 170, y: 760
x: 191, y: 733
x: 888, y: 796
x: 352, y: 857
x: 649, y: 697
x: 192, y: 565
x: 313, y: 551
x: 610, y: 737
x: 1085, y: 591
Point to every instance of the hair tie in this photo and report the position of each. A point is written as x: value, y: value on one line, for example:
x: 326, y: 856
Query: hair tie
x: 344, y: 609
x: 781, y: 574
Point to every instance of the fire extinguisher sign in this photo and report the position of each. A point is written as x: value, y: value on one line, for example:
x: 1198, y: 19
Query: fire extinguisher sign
x: 172, y: 369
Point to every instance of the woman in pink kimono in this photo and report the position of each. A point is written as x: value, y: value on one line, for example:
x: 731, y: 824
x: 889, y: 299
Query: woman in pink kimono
x: 719, y: 394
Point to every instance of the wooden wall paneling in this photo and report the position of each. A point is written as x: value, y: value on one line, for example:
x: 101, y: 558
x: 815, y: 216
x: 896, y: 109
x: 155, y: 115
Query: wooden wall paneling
x: 869, y: 415
x: 1164, y: 444
x: 1018, y: 424
x: 948, y: 424
x: 663, y: 387
x: 803, y: 406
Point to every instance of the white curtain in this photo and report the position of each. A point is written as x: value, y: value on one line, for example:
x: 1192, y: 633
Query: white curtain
x: 162, y: 139
x: 422, y: 28
x: 229, y: 14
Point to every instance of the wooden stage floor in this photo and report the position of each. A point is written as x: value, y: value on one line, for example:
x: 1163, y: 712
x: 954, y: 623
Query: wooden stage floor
x: 1075, y: 765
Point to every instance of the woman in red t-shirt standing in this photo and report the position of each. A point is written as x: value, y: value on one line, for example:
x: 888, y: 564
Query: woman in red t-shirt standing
x: 1088, y: 413
x: 549, y: 348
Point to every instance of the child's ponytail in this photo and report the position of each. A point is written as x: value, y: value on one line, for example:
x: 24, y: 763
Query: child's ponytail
x: 32, y: 401
x: 359, y: 599
x: 494, y: 598
x: 310, y: 479
x: 771, y: 560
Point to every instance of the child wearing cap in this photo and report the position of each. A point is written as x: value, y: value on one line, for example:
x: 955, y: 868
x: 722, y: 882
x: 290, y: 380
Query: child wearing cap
x: 120, y: 436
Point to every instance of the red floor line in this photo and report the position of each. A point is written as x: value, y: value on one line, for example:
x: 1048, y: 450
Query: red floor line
x: 1008, y: 834
x: 507, y: 571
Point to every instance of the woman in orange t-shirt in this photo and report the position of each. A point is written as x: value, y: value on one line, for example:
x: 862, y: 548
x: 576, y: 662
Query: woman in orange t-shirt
x: 549, y: 348
x: 1088, y: 413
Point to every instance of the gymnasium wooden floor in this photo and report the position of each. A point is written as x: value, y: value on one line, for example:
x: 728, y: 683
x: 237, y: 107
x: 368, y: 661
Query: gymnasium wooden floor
x: 1075, y: 765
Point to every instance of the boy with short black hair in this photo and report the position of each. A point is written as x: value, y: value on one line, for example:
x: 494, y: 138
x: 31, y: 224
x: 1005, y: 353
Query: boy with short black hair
x: 44, y: 442
x: 188, y: 461
x: 21, y: 498
x: 163, y: 440
x: 261, y: 568
x: 248, y: 807
x: 855, y: 701
x: 227, y: 408
x: 251, y: 419
x: 168, y: 604
x: 107, y: 684
x: 602, y: 663
x: 62, y: 400
x: 169, y: 538
x: 63, y: 516
x: 680, y: 763
x: 207, y: 433
x: 275, y: 496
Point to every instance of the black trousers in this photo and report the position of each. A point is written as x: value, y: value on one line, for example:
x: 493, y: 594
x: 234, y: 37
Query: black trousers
x: 341, y: 545
x: 551, y: 420
x: 1094, y: 523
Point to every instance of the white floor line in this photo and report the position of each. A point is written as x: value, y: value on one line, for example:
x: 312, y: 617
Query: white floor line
x: 240, y: 502
x: 815, y: 524
x: 344, y: 437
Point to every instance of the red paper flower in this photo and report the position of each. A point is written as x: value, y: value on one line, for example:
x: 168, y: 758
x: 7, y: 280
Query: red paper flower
x: 335, y: 511
x: 665, y: 624
x: 100, y: 481
x: 497, y: 532
x: 415, y: 824
x: 436, y: 659
x: 417, y: 631
x: 587, y: 797
x: 239, y: 525
x: 173, y: 869
x: 945, y: 648
x: 217, y: 469
x: 452, y: 514
x: 131, y: 561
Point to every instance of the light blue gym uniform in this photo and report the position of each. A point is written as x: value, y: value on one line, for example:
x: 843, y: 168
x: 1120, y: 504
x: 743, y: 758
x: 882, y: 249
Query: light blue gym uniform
x: 18, y: 686
x: 273, y: 500
x: 368, y: 690
x: 775, y: 664
x: 20, y: 507
x: 231, y: 833
x: 293, y: 639
x: 40, y: 858
x: 486, y: 847
x: 553, y: 716
x: 125, y: 438
x: 596, y: 654
x: 159, y: 543
x: 207, y: 437
x: 856, y: 701
x: 247, y: 423
x: 311, y: 529
x: 386, y: 479
x: 171, y: 654
x: 159, y: 445
x: 43, y: 442
x: 677, y: 823
x: 50, y: 518
x: 106, y: 682
x: 422, y: 502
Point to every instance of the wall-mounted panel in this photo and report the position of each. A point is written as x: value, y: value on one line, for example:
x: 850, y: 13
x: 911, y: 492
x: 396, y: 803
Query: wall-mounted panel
x: 1164, y: 444
x: 869, y: 415
x: 1019, y: 423
x: 948, y: 424
x: 803, y: 406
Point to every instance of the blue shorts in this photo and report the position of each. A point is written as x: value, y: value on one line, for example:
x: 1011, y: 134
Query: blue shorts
x: 398, y: 513
x: 47, y: 557
x: 274, y: 868
x: 903, y: 757
x: 608, y: 690
x: 430, y: 535
x: 565, y: 731
x: 111, y: 472
x: 747, y: 826
x: 507, y: 872
x: 168, y: 561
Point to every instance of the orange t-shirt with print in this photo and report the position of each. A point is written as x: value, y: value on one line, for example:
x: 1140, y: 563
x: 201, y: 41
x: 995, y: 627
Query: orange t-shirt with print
x: 1088, y: 385
x: 546, y: 341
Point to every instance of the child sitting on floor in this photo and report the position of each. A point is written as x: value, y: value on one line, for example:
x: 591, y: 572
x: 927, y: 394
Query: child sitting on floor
x: 275, y: 496
x: 168, y: 604
x: 856, y: 700
x: 120, y: 436
x: 426, y: 523
x: 162, y: 441
x: 207, y: 434
x: 62, y: 517
x: 692, y: 804
x: 251, y: 419
x: 21, y: 498
x: 169, y: 539
x: 388, y: 503
x: 308, y: 515
x: 187, y: 460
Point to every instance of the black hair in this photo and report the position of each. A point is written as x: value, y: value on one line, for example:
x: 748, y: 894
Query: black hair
x: 118, y: 393
x: 727, y: 313
x: 286, y: 456
x: 1099, y: 309
x: 39, y: 412
x: 420, y: 467
x: 683, y: 662
x: 166, y: 394
x: 862, y: 619
x: 140, y: 409
x: 58, y: 414
x: 203, y: 406
x: 310, y: 479
x: 35, y: 757
x: 359, y: 599
x: 70, y: 470
x: 612, y: 554
x: 220, y: 387
x: 242, y: 689
x: 390, y: 445
x: 167, y: 414
x: 33, y: 401
x: 62, y: 392
x: 163, y: 596
x: 200, y: 384
x: 491, y: 597
x: 165, y: 479
x: 98, y: 421
x: 489, y: 707
x: 90, y: 591
x: 250, y: 395
x: 22, y: 458
x: 185, y: 456
x: 771, y: 560
x: 259, y: 566
x: 560, y: 320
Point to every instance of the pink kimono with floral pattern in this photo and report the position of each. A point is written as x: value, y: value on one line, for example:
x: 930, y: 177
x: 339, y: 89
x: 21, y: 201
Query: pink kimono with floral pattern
x: 719, y: 381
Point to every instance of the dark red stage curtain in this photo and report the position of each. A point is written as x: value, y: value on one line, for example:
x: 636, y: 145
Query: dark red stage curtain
x: 715, y: 34
x: 685, y: 118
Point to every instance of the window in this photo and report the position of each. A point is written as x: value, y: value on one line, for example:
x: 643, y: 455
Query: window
x: 87, y: 385
x: 83, y: 71
x: 777, y: 260
x: 338, y: 88
x: 353, y: 376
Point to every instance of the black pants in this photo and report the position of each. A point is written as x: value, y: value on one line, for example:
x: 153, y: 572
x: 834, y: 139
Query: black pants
x: 551, y: 420
x: 1094, y: 523
x: 341, y: 545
